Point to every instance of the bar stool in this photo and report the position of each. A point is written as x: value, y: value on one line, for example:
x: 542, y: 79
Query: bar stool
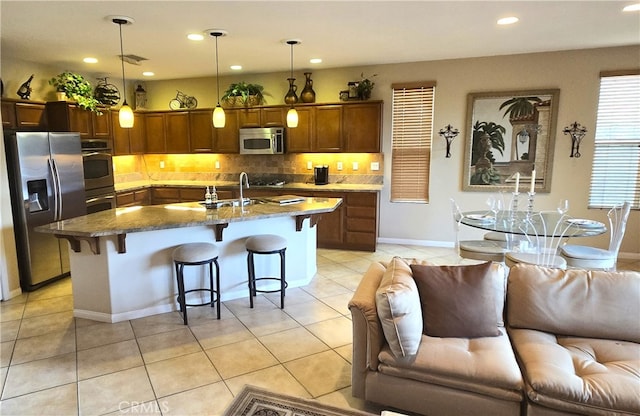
x: 197, y: 254
x: 266, y: 244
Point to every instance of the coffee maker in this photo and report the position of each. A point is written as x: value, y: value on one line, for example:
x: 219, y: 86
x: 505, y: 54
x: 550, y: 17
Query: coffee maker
x: 321, y: 175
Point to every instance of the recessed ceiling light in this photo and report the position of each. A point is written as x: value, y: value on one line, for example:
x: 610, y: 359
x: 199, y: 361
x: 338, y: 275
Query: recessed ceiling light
x: 148, y: 73
x: 508, y: 20
x: 195, y: 36
x: 90, y: 60
x: 315, y: 60
x: 632, y: 8
x: 236, y: 67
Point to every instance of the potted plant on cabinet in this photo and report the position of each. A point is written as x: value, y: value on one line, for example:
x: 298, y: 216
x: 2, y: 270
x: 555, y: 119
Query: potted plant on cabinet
x: 76, y: 88
x: 244, y: 94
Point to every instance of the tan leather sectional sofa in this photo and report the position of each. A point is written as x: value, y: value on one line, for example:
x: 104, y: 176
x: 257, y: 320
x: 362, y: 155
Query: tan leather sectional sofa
x: 565, y: 342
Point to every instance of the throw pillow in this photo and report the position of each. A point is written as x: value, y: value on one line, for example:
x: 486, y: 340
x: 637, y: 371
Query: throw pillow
x: 457, y: 301
x: 398, y: 306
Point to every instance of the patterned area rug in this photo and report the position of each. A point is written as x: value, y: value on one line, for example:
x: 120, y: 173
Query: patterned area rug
x: 255, y: 401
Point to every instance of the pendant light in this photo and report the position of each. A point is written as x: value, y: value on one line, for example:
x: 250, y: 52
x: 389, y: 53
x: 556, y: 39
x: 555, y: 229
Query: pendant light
x: 218, y: 113
x: 125, y: 115
x: 292, y: 114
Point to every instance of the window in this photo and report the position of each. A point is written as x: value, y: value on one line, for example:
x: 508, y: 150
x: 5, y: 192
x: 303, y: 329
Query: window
x: 412, y: 119
x: 616, y: 162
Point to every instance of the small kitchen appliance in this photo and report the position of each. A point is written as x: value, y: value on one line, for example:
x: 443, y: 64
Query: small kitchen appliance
x: 321, y: 175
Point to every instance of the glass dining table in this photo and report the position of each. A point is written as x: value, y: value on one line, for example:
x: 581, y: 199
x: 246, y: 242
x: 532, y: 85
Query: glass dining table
x: 517, y: 223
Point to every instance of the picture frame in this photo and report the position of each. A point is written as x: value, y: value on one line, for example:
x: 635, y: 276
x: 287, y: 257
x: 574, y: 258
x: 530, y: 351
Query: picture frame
x: 510, y: 132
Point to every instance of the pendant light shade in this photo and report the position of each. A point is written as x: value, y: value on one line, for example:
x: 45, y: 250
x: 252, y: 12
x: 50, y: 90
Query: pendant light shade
x: 125, y: 116
x: 292, y: 114
x: 292, y: 118
x: 219, y: 118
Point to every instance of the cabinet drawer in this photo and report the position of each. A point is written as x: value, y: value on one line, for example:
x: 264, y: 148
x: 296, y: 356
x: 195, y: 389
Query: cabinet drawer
x: 191, y: 194
x: 166, y: 193
x: 365, y: 241
x: 361, y: 224
x: 361, y: 212
x: 125, y: 199
x: 362, y: 199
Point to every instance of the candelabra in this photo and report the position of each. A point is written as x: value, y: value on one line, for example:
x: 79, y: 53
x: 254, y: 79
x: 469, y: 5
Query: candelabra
x: 529, y: 212
x: 449, y: 134
x: 577, y: 132
x: 514, y: 206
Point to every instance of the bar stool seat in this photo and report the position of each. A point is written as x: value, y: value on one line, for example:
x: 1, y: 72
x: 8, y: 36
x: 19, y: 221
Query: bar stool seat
x: 197, y: 254
x: 266, y: 244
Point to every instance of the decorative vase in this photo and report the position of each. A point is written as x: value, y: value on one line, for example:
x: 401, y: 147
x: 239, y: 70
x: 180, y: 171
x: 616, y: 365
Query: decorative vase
x: 308, y: 95
x: 291, y: 97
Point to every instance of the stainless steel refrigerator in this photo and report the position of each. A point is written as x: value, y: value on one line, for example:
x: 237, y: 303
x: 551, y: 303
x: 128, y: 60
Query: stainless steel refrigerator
x: 46, y: 185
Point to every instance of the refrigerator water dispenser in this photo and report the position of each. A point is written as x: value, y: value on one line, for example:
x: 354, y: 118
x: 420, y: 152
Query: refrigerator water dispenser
x: 38, y: 197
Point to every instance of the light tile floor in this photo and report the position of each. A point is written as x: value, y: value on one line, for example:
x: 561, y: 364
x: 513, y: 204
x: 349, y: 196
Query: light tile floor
x: 54, y: 364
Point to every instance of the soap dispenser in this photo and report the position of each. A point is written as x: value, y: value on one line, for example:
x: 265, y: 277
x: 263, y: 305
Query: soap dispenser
x: 214, y: 194
x: 207, y: 197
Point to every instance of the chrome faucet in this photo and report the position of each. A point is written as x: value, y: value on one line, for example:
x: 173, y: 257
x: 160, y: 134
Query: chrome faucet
x: 246, y: 182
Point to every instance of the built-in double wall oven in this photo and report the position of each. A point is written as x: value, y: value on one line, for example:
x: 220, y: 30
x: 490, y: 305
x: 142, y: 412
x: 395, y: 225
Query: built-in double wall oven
x: 97, y: 164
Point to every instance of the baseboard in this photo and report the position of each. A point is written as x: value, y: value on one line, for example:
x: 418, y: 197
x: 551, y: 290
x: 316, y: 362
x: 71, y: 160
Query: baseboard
x: 425, y: 243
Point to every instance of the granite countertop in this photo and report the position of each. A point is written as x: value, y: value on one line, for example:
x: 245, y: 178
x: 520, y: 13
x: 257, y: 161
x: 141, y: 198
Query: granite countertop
x: 188, y: 214
x: 293, y: 186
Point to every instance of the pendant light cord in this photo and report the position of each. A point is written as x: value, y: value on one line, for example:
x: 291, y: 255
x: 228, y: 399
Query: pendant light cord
x: 124, y: 84
x: 217, y: 72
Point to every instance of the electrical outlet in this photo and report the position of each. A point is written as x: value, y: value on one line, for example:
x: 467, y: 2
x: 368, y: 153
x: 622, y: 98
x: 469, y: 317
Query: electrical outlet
x: 217, y: 164
x: 339, y: 166
x: 375, y: 165
x: 162, y: 164
x: 355, y: 166
x: 309, y: 165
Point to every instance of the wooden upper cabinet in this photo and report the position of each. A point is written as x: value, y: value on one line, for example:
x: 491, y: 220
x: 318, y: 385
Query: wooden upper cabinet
x: 155, y: 133
x: 273, y: 116
x: 249, y: 117
x: 361, y: 124
x: 227, y: 139
x: 65, y: 116
x: 328, y: 129
x: 177, y: 132
x: 8, y: 115
x: 201, y: 130
x: 128, y: 141
x: 299, y: 139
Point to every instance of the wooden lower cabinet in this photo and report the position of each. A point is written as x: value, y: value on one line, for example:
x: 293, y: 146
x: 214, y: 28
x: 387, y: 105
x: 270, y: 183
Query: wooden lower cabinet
x: 133, y: 198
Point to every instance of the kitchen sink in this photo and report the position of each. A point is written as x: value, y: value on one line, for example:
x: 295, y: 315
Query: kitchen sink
x: 233, y: 203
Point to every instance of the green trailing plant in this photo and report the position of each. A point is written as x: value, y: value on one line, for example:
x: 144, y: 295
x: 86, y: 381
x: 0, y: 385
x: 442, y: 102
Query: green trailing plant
x: 77, y: 89
x: 519, y: 108
x: 496, y: 137
x: 244, y: 92
x: 365, y: 86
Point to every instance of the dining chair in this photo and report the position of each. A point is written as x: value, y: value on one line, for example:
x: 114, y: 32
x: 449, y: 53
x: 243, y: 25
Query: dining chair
x: 587, y: 257
x: 484, y: 250
x: 544, y: 232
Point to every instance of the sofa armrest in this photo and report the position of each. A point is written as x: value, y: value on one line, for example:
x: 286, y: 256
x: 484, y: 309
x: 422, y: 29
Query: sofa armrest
x: 368, y: 337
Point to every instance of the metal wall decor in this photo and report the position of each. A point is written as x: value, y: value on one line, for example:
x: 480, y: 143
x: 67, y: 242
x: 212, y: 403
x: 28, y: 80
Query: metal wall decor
x: 577, y: 132
x: 449, y: 133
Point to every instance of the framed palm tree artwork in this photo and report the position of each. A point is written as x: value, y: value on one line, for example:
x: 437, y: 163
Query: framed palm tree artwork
x: 510, y: 132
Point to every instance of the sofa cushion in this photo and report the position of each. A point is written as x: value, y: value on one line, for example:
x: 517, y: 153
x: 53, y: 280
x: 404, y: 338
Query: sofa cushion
x: 486, y: 366
x: 457, y: 301
x: 398, y: 306
x: 594, y: 304
x: 579, y: 375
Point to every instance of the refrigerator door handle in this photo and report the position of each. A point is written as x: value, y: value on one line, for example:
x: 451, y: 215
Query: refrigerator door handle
x: 57, y: 216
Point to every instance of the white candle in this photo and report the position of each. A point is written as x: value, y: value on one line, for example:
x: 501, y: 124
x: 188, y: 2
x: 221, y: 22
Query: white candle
x: 517, y: 181
x: 533, y: 181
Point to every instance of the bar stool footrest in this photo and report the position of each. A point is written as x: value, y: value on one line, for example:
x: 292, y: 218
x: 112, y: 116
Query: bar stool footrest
x: 214, y: 297
x: 286, y: 284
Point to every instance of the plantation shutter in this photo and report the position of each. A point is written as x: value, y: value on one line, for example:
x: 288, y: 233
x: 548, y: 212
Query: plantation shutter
x: 412, y: 119
x: 616, y: 163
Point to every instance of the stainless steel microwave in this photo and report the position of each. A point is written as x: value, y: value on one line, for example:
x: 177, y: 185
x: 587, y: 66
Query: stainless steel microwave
x: 262, y: 141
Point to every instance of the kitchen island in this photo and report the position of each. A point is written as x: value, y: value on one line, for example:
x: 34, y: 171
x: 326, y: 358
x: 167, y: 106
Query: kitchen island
x: 121, y: 262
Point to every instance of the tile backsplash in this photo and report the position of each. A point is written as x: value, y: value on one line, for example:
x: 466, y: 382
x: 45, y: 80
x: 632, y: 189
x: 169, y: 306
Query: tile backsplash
x: 356, y: 167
